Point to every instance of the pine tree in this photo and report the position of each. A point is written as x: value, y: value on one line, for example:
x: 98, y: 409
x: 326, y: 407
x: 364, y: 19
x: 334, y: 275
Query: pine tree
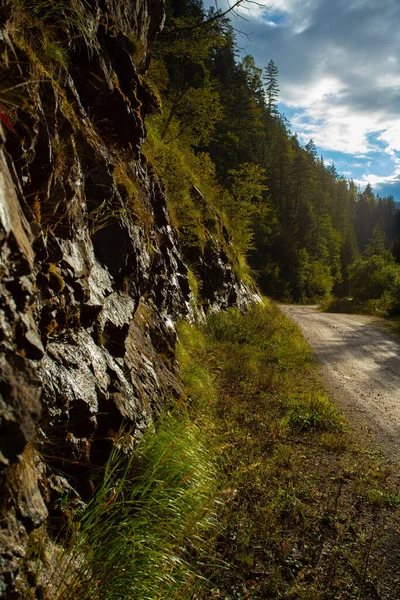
x: 376, y: 245
x: 271, y: 86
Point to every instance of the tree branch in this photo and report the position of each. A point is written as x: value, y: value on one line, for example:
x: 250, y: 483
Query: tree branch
x: 217, y: 16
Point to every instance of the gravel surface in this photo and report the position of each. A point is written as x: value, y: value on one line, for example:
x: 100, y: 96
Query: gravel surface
x: 360, y: 361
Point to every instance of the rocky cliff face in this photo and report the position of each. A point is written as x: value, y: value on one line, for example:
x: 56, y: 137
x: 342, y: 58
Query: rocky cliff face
x: 92, y: 276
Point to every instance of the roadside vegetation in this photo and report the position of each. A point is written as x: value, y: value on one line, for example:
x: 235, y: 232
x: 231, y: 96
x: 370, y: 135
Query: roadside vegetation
x: 307, y: 233
x: 374, y: 287
x: 248, y: 487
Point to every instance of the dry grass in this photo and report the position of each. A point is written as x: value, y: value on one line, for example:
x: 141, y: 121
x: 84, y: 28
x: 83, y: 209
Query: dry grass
x: 313, y: 513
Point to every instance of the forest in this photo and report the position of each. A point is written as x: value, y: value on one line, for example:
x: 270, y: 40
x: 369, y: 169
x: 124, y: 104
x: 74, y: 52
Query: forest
x: 166, y: 430
x: 307, y: 233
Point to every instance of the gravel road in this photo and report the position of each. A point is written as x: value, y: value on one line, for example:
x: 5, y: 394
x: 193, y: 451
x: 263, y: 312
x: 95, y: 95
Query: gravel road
x: 361, y: 364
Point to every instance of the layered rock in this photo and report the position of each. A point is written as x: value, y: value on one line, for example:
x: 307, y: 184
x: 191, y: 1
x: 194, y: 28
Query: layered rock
x: 92, y: 275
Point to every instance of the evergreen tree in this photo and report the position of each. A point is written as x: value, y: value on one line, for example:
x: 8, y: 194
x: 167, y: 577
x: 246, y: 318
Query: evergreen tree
x: 376, y: 245
x: 300, y: 223
x: 271, y: 86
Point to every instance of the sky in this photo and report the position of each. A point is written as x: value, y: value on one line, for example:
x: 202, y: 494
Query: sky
x: 339, y: 79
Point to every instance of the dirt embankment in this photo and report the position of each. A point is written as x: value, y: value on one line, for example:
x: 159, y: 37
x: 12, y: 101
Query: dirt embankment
x: 360, y: 359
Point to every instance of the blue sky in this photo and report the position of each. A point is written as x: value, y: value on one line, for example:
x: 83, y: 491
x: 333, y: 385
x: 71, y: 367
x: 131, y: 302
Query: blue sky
x: 339, y: 79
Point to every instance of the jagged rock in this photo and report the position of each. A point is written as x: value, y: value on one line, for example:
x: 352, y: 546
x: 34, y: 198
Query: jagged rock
x: 20, y: 389
x: 220, y: 287
x: 92, y: 273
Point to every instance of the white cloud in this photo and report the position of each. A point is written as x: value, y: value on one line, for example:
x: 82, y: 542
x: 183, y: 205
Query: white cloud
x: 378, y: 181
x: 334, y: 128
x: 307, y: 95
x: 391, y: 137
x: 339, y: 72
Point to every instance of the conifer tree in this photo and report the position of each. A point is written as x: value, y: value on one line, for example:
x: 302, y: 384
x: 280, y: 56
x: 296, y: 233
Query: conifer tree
x: 271, y: 86
x: 376, y: 245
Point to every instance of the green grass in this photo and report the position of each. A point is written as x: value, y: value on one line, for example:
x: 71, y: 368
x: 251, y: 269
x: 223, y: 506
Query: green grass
x: 380, y: 307
x: 195, y: 200
x: 303, y: 519
x: 43, y: 20
x: 135, y: 538
x: 249, y: 488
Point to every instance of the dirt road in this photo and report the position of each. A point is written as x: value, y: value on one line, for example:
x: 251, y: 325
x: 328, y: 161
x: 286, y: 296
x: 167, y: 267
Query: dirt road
x: 361, y: 364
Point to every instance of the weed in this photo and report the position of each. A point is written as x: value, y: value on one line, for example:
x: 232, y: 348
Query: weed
x: 379, y: 498
x: 44, y: 17
x: 335, y: 442
x: 195, y: 299
x: 131, y: 191
x: 312, y: 411
x: 11, y: 97
x: 104, y: 214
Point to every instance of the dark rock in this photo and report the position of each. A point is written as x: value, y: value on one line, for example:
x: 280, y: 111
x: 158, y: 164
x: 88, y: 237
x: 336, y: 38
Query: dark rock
x: 19, y: 386
x: 92, y: 274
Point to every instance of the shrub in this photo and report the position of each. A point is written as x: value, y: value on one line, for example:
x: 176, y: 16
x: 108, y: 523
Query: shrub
x: 312, y: 411
x: 314, y: 278
x: 376, y: 281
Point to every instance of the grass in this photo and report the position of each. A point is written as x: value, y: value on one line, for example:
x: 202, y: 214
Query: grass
x: 248, y: 488
x: 130, y: 206
x: 195, y: 200
x: 309, y: 514
x: 43, y: 20
x: 380, y: 307
x: 44, y: 31
x: 150, y: 512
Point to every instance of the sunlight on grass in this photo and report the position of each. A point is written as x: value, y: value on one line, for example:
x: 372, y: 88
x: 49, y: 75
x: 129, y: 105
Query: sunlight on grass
x: 150, y: 512
x: 250, y: 487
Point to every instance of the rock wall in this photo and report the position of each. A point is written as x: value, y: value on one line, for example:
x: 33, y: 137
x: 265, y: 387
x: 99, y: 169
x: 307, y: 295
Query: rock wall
x: 92, y: 275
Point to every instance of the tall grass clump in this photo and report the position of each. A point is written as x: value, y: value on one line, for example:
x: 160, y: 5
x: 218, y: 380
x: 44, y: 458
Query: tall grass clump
x: 44, y: 22
x: 150, y: 512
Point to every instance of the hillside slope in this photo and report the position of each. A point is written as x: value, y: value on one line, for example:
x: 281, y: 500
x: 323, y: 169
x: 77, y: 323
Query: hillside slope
x: 93, y: 278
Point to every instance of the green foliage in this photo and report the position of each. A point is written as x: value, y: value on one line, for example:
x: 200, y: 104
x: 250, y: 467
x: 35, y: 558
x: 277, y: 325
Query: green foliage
x: 311, y: 413
x: 198, y: 206
x: 377, y: 243
x: 197, y: 112
x: 181, y: 171
x: 150, y: 511
x: 315, y: 281
x: 320, y: 281
x: 245, y: 475
x: 244, y: 203
x: 376, y: 280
